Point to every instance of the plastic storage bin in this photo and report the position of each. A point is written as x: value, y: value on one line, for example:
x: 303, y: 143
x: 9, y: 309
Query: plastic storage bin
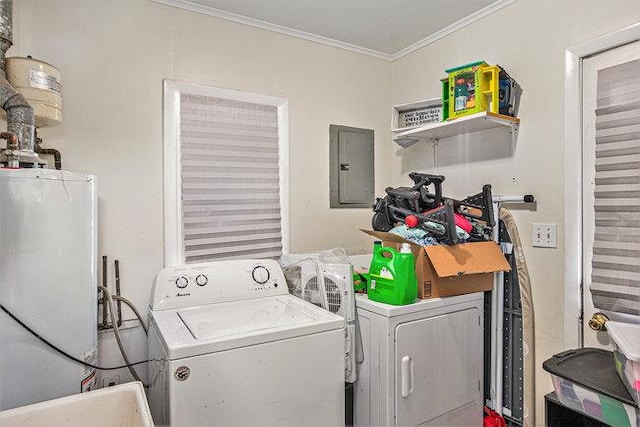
x: 586, y: 381
x: 626, y: 340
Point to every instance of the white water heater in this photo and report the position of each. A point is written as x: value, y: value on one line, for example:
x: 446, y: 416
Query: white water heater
x: 48, y: 277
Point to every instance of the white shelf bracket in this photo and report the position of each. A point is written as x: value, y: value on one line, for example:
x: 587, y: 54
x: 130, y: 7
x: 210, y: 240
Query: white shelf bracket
x: 514, y: 137
x: 435, y: 155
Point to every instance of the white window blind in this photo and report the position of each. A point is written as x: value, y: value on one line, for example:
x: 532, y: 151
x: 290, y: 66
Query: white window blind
x: 230, y: 179
x: 615, y: 279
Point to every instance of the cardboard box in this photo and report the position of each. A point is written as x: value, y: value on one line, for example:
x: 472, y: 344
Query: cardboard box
x: 445, y: 270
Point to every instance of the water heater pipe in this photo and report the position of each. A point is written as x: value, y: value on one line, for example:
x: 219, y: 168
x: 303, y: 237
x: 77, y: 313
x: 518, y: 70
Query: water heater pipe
x: 57, y: 157
x: 20, y: 115
x: 12, y: 140
x: 11, y: 152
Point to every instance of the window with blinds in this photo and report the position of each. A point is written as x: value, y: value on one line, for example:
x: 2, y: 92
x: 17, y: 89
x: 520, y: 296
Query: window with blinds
x: 615, y: 278
x: 227, y: 164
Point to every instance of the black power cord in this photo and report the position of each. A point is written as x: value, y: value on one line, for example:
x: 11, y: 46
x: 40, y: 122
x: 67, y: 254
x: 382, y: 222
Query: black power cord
x: 64, y: 353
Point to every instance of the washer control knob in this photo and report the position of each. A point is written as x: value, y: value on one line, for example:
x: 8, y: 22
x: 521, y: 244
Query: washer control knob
x: 201, y: 280
x: 182, y: 282
x: 260, y: 274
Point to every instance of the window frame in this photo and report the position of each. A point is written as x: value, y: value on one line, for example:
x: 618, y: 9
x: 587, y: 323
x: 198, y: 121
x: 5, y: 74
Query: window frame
x: 173, y: 233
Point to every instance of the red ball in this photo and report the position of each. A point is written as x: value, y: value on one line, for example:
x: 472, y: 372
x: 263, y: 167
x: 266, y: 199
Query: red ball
x: 411, y: 221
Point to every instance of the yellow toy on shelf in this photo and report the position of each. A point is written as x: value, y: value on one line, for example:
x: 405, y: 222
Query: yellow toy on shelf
x: 472, y: 88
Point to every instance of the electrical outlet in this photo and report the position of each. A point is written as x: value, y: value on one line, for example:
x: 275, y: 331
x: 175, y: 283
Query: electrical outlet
x: 110, y: 381
x: 544, y: 236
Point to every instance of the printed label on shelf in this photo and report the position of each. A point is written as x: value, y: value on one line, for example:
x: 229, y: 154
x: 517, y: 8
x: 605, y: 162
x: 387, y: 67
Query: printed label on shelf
x: 419, y: 117
x: 42, y: 80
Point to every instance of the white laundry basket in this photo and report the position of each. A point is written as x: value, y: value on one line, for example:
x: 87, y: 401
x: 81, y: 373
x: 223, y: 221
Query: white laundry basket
x: 120, y: 406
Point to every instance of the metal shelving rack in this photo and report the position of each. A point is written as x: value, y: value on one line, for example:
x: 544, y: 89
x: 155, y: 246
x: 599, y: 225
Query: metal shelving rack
x: 504, y: 330
x: 513, y: 352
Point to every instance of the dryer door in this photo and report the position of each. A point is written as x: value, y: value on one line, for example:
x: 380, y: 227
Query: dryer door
x: 438, y: 370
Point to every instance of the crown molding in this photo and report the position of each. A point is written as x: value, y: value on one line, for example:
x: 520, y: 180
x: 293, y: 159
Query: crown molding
x: 227, y: 16
x: 476, y: 16
x: 217, y: 13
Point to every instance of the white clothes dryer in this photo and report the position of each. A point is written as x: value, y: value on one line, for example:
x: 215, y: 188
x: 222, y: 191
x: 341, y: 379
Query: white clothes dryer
x: 422, y: 363
x: 231, y: 346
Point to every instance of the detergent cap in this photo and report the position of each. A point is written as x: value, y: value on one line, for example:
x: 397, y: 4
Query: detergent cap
x: 405, y: 249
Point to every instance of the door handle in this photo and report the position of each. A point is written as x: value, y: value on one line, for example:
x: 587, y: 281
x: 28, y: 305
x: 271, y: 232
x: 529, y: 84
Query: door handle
x: 598, y: 322
x: 407, y: 376
x: 345, y: 166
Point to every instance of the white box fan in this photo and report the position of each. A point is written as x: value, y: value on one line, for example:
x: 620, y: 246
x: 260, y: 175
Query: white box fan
x: 326, y: 280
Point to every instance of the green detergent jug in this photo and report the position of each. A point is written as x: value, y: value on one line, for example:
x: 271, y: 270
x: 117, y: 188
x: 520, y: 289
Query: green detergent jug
x: 392, y: 276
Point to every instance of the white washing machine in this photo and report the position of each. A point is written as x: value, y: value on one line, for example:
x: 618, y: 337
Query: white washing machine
x: 233, y: 347
x: 423, y: 363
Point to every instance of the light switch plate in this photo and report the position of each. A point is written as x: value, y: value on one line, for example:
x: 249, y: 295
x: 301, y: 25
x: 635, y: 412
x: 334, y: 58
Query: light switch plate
x: 544, y: 236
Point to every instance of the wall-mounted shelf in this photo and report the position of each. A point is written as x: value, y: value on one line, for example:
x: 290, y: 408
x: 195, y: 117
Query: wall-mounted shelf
x: 468, y: 124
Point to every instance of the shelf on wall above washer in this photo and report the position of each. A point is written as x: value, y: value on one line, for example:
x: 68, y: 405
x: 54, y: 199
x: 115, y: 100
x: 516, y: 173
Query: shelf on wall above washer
x: 468, y: 124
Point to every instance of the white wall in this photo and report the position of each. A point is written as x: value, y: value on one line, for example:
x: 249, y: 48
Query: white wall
x: 528, y: 38
x: 114, y: 55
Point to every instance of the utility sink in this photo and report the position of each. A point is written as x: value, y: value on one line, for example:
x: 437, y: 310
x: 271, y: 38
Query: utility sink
x: 122, y: 406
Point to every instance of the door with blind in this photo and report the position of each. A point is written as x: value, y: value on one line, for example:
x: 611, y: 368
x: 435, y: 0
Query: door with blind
x: 611, y: 187
x: 225, y: 174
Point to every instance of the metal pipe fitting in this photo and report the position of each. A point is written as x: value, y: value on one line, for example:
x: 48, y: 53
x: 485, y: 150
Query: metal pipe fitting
x: 12, y: 139
x: 11, y: 153
x: 57, y: 157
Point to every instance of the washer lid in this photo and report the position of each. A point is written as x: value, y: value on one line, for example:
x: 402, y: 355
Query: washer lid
x: 206, y: 329
x: 248, y: 317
